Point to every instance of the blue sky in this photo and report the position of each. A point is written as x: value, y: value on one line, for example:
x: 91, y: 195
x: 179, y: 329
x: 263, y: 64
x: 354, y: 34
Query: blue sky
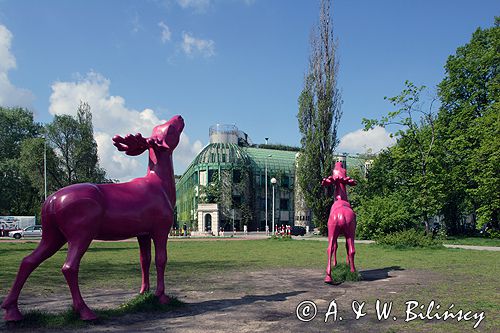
x: 219, y: 61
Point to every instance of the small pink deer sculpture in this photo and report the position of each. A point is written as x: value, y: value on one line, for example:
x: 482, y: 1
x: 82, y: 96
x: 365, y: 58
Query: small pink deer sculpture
x: 342, y: 219
x: 79, y: 213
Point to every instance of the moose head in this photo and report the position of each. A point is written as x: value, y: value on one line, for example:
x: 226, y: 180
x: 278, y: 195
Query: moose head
x: 165, y: 137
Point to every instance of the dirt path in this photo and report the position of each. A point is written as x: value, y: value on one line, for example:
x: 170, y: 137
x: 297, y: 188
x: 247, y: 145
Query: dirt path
x: 261, y: 301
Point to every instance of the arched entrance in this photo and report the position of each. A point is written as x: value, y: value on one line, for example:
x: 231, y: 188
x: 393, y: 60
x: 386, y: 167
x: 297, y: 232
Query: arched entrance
x: 208, y: 218
x: 208, y: 223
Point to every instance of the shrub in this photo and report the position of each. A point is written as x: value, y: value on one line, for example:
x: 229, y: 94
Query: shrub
x: 408, y: 239
x: 382, y: 215
x: 279, y: 237
x: 342, y: 272
x: 493, y: 233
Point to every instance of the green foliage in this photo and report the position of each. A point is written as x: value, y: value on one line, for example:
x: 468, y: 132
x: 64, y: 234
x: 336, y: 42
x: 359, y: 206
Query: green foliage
x: 281, y: 238
x: 31, y: 163
x: 277, y: 147
x: 74, y: 144
x: 493, y: 234
x: 408, y: 239
x: 16, y: 125
x: 382, y: 215
x: 211, y: 193
x: 17, y: 196
x: 342, y: 273
x: 318, y: 117
x: 71, y: 157
x: 446, y: 164
x: 469, y: 128
x: 413, y: 159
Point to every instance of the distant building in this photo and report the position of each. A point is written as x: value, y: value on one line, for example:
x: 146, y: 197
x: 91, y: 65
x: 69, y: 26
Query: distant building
x: 225, y: 185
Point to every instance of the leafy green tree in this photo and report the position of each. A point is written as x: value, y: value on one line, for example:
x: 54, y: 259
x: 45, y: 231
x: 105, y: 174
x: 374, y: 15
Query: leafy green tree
x: 318, y: 117
x: 16, y: 124
x: 17, y: 196
x: 73, y: 141
x: 88, y: 169
x: 414, y: 156
x: 31, y: 163
x: 469, y: 129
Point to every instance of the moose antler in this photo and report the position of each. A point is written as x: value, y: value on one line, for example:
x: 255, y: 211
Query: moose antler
x: 330, y: 180
x: 132, y: 145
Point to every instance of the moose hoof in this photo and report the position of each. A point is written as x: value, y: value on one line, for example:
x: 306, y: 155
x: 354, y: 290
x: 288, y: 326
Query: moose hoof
x: 163, y: 299
x: 13, y: 314
x: 87, y: 315
x: 144, y: 290
x: 328, y: 279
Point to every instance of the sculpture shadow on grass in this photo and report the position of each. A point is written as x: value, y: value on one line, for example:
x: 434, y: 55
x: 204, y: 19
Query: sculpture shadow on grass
x: 379, y: 273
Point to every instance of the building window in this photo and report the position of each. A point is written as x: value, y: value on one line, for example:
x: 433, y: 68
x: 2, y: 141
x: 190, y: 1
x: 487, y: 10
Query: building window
x: 236, y: 200
x: 210, y: 176
x: 285, y: 181
x: 283, y: 204
x: 262, y: 203
x: 236, y: 176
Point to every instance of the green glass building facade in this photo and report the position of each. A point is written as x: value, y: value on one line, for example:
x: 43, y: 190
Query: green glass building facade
x: 225, y: 186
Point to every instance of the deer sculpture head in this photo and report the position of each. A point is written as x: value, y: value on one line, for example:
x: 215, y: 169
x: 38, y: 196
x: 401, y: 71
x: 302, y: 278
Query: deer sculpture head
x: 164, y: 138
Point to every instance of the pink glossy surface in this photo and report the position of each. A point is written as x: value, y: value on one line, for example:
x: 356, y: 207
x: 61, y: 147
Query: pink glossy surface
x: 342, y: 219
x: 79, y: 213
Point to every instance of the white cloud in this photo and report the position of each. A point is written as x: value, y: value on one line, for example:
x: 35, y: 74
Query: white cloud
x: 111, y: 116
x: 136, y: 24
x: 191, y: 46
x: 361, y: 141
x: 197, y: 5
x: 201, y: 6
x: 166, y: 34
x: 10, y: 95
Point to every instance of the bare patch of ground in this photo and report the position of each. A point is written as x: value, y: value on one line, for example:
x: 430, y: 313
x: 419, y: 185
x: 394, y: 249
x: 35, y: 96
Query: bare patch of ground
x: 260, y: 301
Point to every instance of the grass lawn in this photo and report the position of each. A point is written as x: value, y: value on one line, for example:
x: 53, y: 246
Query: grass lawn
x: 467, y: 278
x: 480, y: 241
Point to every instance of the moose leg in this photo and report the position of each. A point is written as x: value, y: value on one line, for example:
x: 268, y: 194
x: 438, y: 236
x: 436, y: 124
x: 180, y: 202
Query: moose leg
x: 347, y: 251
x: 47, y: 247
x: 76, y: 250
x: 351, y: 251
x: 160, y: 242
x: 332, y: 249
x: 328, y: 278
x: 145, y: 251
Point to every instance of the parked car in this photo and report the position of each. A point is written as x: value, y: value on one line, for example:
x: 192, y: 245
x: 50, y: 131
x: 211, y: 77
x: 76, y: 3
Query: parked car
x: 298, y: 231
x: 31, y: 231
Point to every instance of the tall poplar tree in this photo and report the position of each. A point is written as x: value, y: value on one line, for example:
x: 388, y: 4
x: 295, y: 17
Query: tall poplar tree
x: 319, y: 115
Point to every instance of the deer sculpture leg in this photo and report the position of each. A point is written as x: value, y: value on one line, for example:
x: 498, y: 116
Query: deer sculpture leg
x: 51, y: 242
x: 351, y: 252
x: 76, y: 250
x: 145, y: 252
x: 347, y: 252
x: 333, y: 233
x: 160, y: 242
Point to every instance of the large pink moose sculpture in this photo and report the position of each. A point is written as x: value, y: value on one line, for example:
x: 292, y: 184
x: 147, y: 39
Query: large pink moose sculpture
x: 79, y: 213
x: 342, y: 219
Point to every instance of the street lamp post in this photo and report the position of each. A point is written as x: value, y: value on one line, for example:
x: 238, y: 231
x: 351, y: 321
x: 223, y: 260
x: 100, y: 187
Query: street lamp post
x: 273, y: 182
x: 267, y: 225
x: 45, y: 166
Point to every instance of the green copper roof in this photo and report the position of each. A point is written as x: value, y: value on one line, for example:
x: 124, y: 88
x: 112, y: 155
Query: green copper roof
x: 219, y: 153
x: 275, y: 159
